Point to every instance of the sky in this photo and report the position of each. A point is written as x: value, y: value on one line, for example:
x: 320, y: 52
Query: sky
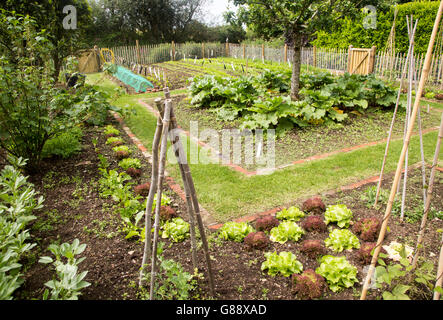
x: 213, y: 11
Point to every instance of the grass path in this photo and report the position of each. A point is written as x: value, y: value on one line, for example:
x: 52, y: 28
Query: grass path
x: 228, y: 194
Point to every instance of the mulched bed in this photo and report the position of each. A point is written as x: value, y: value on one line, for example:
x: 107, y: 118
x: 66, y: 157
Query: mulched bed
x: 71, y: 188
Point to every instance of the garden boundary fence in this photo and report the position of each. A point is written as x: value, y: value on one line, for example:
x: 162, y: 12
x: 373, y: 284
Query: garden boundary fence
x: 385, y: 64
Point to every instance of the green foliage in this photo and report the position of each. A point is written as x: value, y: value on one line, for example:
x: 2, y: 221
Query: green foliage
x: 338, y: 272
x: 339, y: 214
x: 130, y: 163
x: 351, y: 31
x: 113, y: 184
x: 176, y: 229
x: 285, y: 263
x: 172, y: 282
x: 110, y: 130
x: 286, y: 231
x: 114, y: 140
x: 340, y: 240
x: 400, y: 281
x: 64, y: 144
x: 17, y: 201
x: 121, y: 148
x: 291, y: 213
x: 235, y: 231
x: 67, y: 283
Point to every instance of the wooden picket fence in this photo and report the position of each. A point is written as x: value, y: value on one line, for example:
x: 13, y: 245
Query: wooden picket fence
x: 334, y: 59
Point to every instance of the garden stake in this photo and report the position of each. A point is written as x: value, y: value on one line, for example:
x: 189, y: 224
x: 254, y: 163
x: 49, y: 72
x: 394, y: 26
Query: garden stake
x: 439, y: 281
x: 161, y: 175
x: 423, y: 78
x: 428, y: 197
x: 187, y: 180
x: 392, y: 123
x: 152, y: 191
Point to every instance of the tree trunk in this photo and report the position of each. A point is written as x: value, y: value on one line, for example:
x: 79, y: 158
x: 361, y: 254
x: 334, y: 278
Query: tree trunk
x: 296, y: 65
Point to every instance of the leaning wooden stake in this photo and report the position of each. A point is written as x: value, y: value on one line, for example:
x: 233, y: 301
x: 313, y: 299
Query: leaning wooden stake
x: 187, y: 180
x: 428, y: 196
x: 152, y: 191
x: 161, y: 175
x: 439, y: 281
x: 423, y: 78
x: 392, y: 123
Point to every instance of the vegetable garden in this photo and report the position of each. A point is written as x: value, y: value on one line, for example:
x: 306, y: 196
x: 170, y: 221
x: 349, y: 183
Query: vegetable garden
x: 77, y: 172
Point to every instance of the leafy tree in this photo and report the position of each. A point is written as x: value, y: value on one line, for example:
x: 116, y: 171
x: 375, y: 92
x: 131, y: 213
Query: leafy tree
x: 296, y: 21
x: 48, y: 14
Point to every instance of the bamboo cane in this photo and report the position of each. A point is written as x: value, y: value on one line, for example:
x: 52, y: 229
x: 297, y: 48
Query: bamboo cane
x: 402, y: 155
x: 428, y: 197
x: 181, y: 158
x: 161, y: 174
x: 392, y: 123
x: 152, y: 191
x: 439, y: 281
x: 193, y: 195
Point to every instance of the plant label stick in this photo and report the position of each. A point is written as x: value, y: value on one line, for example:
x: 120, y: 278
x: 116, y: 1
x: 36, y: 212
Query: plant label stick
x: 195, y: 60
x: 232, y: 65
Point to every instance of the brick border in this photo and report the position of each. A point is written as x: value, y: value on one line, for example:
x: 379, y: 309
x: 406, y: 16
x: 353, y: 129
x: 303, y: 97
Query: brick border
x: 300, y: 161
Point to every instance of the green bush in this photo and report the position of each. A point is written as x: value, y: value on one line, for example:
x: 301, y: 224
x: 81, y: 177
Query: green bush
x: 64, y: 145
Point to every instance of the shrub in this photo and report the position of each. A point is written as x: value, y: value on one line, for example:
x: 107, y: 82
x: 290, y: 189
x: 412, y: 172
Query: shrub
x: 235, y: 231
x: 291, y: 213
x: 142, y: 189
x: 367, y: 228
x: 338, y: 272
x: 308, y: 285
x: 287, y: 230
x: 285, y: 263
x: 167, y: 213
x: 266, y: 223
x: 340, y: 214
x: 314, y: 205
x: 313, y: 248
x: 314, y: 223
x: 256, y: 240
x: 64, y: 145
x: 340, y: 240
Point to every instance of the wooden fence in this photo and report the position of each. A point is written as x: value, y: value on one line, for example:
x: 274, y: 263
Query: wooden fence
x: 336, y: 60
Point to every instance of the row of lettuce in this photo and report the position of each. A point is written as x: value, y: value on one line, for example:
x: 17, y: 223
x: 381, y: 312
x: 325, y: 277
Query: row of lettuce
x: 263, y: 102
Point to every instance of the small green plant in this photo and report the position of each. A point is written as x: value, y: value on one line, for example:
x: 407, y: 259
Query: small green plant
x: 110, y: 131
x: 113, y: 184
x: 340, y: 240
x: 172, y: 282
x: 285, y: 263
x: 64, y: 145
x: 291, y: 213
x: 127, y: 163
x: 338, y: 272
x: 67, y: 283
x: 176, y: 229
x: 286, y: 231
x: 400, y: 281
x: 114, y: 141
x: 339, y: 214
x: 235, y: 231
x: 121, y: 149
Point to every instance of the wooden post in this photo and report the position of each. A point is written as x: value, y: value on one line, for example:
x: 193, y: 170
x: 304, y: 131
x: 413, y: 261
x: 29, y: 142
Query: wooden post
x: 314, y: 56
x: 137, y: 47
x: 263, y: 52
x: 244, y: 51
x: 173, y: 50
x: 439, y: 280
x: 350, y: 58
x: 384, y: 226
x: 203, y: 50
x: 372, y: 60
x: 286, y: 53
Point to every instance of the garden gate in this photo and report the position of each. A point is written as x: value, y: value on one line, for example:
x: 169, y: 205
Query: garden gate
x: 361, y: 60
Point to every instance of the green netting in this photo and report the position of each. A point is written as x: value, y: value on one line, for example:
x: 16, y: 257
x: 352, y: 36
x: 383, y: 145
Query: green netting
x: 126, y: 76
